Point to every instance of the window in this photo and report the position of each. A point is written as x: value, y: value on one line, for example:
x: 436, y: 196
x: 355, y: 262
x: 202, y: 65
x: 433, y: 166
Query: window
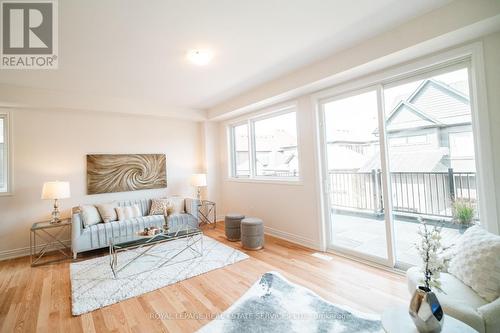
x: 4, y: 153
x: 241, y: 152
x: 274, y: 152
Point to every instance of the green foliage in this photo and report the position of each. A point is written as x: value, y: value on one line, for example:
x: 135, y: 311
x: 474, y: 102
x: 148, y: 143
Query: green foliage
x: 463, y: 212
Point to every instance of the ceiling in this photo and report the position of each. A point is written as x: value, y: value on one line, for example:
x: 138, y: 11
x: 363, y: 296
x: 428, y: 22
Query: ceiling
x: 135, y: 50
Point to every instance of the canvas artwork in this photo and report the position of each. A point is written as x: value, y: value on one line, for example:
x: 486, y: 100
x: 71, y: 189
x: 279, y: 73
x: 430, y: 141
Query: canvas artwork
x: 125, y: 172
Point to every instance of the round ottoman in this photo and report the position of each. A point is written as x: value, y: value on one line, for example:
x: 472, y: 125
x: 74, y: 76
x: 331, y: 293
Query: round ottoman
x: 232, y: 226
x: 252, y: 233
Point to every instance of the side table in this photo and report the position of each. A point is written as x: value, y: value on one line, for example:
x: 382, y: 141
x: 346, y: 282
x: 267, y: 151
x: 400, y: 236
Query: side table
x: 207, y: 213
x: 50, y: 234
x: 396, y: 320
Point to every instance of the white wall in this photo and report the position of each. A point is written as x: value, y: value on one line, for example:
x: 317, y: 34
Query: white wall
x: 212, y: 159
x: 52, y: 145
x: 293, y: 211
x: 289, y: 210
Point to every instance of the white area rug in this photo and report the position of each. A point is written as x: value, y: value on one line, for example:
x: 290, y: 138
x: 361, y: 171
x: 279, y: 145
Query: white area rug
x: 277, y: 305
x: 93, y: 285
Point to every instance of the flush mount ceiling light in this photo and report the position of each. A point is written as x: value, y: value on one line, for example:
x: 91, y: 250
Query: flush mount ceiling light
x: 200, y: 57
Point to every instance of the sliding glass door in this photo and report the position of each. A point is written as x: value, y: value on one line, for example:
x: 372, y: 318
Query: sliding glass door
x: 431, y: 154
x: 394, y: 155
x: 352, y: 149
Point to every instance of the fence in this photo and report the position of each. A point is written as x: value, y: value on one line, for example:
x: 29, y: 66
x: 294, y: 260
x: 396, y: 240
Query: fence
x: 429, y: 193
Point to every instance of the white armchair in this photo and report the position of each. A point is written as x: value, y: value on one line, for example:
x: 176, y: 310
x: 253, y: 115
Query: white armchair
x: 491, y: 316
x: 461, y: 302
x: 474, y: 262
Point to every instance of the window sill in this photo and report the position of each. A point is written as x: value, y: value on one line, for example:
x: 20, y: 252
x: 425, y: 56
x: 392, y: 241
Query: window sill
x: 6, y: 194
x: 288, y: 181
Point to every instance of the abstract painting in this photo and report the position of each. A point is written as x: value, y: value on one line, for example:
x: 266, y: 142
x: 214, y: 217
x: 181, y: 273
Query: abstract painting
x: 125, y: 172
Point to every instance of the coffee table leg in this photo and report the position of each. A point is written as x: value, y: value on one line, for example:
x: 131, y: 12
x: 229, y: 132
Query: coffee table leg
x: 201, y: 244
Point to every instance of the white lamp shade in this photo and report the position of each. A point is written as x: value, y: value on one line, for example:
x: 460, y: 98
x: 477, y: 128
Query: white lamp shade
x: 199, y: 180
x: 55, y: 190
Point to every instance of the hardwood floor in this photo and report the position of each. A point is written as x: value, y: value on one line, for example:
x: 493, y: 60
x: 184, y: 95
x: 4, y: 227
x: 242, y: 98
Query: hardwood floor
x: 39, y: 299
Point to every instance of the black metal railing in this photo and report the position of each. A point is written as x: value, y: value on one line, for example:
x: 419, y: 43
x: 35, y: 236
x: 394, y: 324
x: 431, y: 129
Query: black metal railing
x: 427, y: 193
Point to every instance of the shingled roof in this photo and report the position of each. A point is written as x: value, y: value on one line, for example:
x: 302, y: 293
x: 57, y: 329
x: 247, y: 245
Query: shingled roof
x: 432, y: 104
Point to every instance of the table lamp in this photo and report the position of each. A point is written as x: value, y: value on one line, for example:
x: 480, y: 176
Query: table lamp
x: 199, y: 180
x: 55, y: 191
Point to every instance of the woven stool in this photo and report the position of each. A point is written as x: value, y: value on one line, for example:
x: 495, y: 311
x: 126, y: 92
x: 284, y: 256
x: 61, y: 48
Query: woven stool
x: 232, y: 226
x: 252, y: 233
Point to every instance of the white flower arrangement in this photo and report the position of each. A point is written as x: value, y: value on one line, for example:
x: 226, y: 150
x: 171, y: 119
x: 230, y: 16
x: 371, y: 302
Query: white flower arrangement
x: 430, y: 250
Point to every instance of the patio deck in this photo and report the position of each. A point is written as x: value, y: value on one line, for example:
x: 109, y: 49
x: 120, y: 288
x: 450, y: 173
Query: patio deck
x: 367, y: 235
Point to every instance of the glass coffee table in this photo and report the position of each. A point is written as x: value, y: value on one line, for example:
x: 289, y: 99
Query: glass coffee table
x: 143, y: 246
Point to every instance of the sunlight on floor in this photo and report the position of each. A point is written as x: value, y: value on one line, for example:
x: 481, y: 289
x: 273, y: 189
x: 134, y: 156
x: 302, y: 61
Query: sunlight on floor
x: 322, y: 256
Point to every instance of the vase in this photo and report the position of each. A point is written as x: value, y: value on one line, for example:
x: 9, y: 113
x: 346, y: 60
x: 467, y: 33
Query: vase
x: 426, y: 311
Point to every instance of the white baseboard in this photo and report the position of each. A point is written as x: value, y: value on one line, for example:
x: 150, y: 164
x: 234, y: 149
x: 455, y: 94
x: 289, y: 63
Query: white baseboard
x: 25, y: 251
x: 312, y: 244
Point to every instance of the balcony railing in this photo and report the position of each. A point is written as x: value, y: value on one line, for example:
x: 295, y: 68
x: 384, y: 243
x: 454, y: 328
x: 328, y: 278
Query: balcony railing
x: 413, y: 193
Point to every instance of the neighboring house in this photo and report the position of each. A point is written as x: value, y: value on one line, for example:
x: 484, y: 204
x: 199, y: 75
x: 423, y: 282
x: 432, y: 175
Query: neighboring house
x: 430, y: 131
x: 434, y: 120
x: 276, y: 154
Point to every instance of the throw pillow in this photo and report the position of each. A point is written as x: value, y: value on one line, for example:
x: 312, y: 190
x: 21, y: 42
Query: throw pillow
x: 477, y: 262
x: 128, y: 212
x: 90, y: 215
x: 158, y: 206
x: 177, y: 204
x: 108, y: 212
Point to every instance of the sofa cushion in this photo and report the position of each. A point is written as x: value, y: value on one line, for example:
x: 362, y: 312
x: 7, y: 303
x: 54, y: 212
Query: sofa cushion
x: 101, y: 233
x: 158, y: 206
x: 144, y: 205
x: 181, y: 221
x: 477, y: 262
x: 177, y: 203
x: 128, y: 212
x: 90, y: 215
x: 107, y: 212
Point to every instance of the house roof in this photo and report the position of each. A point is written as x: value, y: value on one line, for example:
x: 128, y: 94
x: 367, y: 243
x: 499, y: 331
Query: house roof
x: 410, y: 161
x: 432, y: 104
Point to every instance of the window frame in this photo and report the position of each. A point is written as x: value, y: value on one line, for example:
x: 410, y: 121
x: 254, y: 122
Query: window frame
x: 6, y: 116
x: 250, y: 122
x: 232, y: 150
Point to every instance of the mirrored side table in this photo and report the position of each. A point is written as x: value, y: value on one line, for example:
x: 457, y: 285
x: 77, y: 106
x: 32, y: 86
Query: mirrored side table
x: 207, y: 213
x: 45, y: 237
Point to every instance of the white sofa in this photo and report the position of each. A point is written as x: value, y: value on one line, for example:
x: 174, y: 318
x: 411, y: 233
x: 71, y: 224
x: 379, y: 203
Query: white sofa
x: 97, y: 236
x: 461, y: 302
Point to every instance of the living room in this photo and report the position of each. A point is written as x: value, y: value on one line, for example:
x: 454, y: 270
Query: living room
x: 252, y: 166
